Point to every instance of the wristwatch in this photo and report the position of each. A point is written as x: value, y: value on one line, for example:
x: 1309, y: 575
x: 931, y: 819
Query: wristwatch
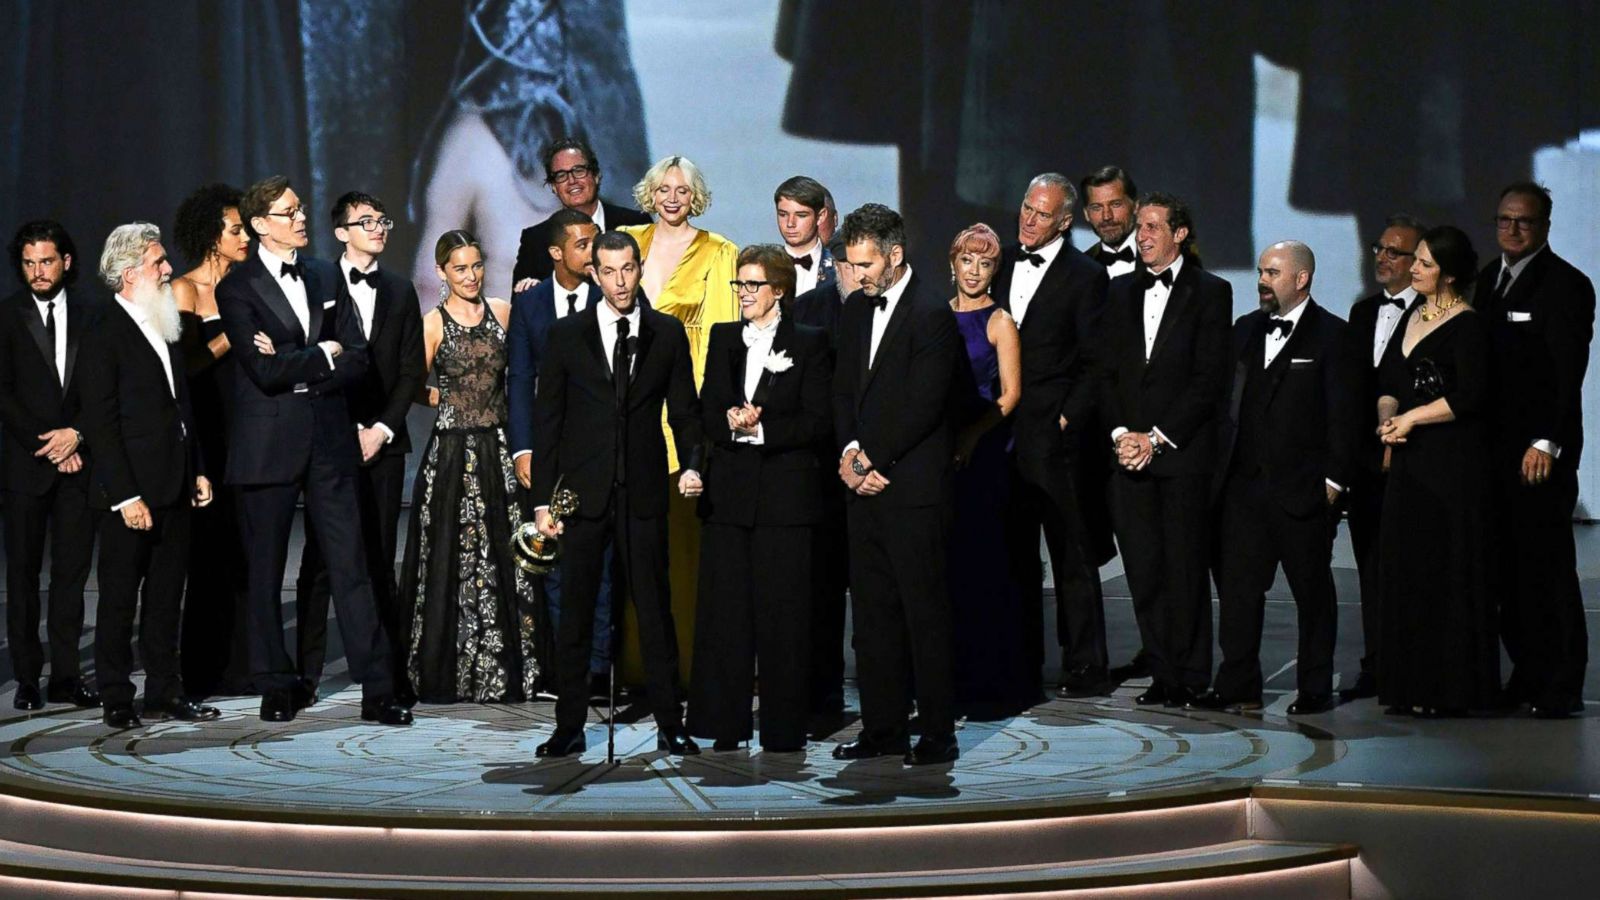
x: 1156, y: 446
x: 857, y: 467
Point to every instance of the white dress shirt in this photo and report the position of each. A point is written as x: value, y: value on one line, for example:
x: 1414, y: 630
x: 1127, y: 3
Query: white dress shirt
x: 293, y: 288
x: 1155, y: 305
x: 608, y: 330
x: 561, y: 293
x: 758, y: 342
x: 159, y: 346
x: 880, y: 317
x: 599, y: 216
x: 1120, y: 268
x: 60, y: 302
x: 1389, y: 317
x: 1275, y: 341
x: 1025, y: 278
x: 806, y: 279
x: 365, y: 297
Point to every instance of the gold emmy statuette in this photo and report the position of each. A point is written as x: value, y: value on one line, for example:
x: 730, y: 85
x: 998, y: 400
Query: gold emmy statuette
x: 533, y: 551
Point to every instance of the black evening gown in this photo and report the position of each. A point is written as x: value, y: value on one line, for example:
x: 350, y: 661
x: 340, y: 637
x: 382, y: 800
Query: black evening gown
x: 470, y: 631
x: 214, y: 657
x: 1440, y: 645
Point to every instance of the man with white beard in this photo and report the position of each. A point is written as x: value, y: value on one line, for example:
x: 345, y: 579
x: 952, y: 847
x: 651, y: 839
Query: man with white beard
x: 146, y: 470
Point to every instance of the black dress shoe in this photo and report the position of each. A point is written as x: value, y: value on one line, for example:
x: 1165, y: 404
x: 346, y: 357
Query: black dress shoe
x: 1311, y: 704
x: 304, y: 695
x: 722, y: 745
x: 1215, y: 702
x: 120, y: 715
x: 1178, y: 696
x: 74, y: 692
x: 1134, y: 668
x: 1085, y: 681
x: 182, y: 709
x: 561, y: 743
x: 28, y: 697
x: 677, y: 742
x: 864, y: 748
x: 931, y: 751
x: 385, y: 711
x: 1366, y: 686
x: 278, y: 706
x: 1155, y: 694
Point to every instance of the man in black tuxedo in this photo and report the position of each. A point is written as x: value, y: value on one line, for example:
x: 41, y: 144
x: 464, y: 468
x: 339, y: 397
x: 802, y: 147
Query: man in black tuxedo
x: 567, y: 292
x: 1541, y: 319
x: 146, y: 472
x: 606, y: 374
x: 1373, y: 320
x: 390, y: 316
x: 893, y: 381
x: 1161, y: 366
x: 291, y: 434
x: 573, y: 173
x: 1109, y: 200
x: 820, y: 308
x: 1283, y: 463
x: 41, y: 464
x: 803, y: 208
x: 1055, y: 294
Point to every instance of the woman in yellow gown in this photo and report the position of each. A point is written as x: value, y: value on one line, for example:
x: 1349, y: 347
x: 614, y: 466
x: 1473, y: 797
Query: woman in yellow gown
x: 686, y: 275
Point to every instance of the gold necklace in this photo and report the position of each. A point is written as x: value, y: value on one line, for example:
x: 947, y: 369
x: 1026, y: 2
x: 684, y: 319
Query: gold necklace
x: 1439, y: 309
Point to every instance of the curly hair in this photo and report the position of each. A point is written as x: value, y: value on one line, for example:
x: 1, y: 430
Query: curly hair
x: 199, y: 224
x: 700, y: 195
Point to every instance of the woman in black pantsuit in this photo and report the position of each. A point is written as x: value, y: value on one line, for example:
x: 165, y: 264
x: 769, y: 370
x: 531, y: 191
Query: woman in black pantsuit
x: 766, y: 406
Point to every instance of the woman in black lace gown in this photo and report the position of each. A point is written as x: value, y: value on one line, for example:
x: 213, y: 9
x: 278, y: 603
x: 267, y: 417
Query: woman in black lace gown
x: 210, y: 233
x: 470, y: 634
x: 1441, y: 653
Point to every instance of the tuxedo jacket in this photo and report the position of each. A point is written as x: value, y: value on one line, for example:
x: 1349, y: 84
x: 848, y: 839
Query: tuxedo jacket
x: 1183, y: 386
x: 1301, y: 431
x: 144, y: 436
x: 396, y: 366
x: 275, y: 425
x: 1367, y: 461
x: 532, y: 313
x: 780, y: 481
x: 575, y: 426
x: 899, y: 408
x: 533, y: 252
x: 33, y: 399
x: 1054, y: 336
x: 819, y: 308
x: 1539, y: 335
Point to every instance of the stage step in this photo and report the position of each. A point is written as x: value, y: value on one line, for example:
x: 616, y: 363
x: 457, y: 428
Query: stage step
x: 1243, y: 868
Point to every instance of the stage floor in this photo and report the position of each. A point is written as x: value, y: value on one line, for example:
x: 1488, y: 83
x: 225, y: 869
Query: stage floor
x: 477, y: 761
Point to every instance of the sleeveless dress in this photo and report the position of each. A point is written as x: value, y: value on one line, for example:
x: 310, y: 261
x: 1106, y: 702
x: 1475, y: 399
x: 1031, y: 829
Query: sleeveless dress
x: 214, y: 655
x: 471, y: 629
x: 992, y: 673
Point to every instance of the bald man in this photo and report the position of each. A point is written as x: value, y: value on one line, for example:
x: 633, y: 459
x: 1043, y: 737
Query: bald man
x: 1287, y: 447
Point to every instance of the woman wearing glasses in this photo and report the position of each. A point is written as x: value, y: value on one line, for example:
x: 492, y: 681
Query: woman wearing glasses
x: 766, y: 408
x: 468, y: 606
x: 686, y: 275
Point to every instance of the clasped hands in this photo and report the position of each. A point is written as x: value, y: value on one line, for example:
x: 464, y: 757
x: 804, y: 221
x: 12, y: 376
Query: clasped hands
x: 1134, y: 450
x: 868, y: 485
x: 744, y: 419
x: 61, y: 449
x: 1394, y: 429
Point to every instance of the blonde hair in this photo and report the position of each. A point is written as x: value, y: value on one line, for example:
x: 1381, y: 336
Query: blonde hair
x: 644, y: 192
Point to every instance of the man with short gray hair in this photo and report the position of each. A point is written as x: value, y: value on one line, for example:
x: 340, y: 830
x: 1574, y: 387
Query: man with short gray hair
x: 146, y: 471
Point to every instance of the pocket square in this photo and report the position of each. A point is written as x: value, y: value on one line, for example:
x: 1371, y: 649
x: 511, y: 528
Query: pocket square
x: 1301, y: 362
x: 1515, y: 316
x: 329, y: 304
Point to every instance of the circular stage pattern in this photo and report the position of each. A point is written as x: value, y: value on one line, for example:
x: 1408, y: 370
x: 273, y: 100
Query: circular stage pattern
x: 478, y: 761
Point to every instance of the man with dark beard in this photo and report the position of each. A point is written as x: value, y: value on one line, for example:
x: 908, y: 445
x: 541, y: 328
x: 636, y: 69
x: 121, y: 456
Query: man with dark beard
x: 41, y: 464
x: 147, y: 472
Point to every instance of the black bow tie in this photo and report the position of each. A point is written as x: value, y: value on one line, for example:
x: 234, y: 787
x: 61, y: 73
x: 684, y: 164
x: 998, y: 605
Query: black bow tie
x: 879, y: 302
x: 1107, y: 257
x: 357, y: 276
x: 803, y: 262
x: 1281, y: 326
x: 1395, y: 302
x: 1148, y: 279
x: 1034, y: 258
x: 291, y: 270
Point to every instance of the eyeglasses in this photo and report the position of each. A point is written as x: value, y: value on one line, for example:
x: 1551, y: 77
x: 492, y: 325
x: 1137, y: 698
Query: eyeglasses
x: 298, y: 212
x: 1515, y: 223
x: 560, y: 176
x: 747, y: 287
x: 1389, y: 253
x: 370, y: 225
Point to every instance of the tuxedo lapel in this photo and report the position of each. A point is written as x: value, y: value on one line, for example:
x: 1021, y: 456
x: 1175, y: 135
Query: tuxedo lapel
x: 76, y: 312
x: 897, y: 321
x: 275, y: 299
x: 590, y: 335
x: 315, y: 314
x: 736, y: 361
x: 1251, y: 354
x: 30, y: 316
x: 380, y: 307
x: 1519, y: 297
x: 780, y: 344
x: 647, y: 335
x: 142, y: 350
